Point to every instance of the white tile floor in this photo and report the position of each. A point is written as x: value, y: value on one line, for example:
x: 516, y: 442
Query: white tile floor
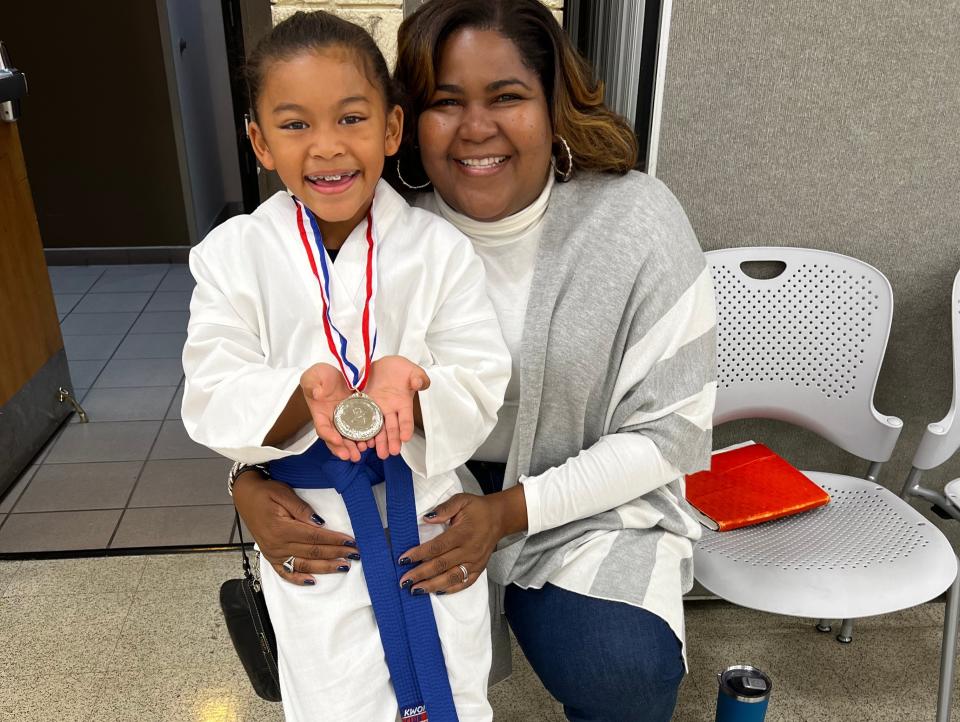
x: 131, y: 477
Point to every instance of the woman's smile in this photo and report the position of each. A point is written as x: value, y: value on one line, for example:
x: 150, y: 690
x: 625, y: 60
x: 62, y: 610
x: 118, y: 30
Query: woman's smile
x: 482, y: 166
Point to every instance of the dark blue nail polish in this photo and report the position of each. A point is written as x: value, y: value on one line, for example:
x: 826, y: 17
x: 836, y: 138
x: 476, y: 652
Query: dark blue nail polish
x: 440, y: 593
x: 350, y: 543
x: 403, y: 561
x: 406, y: 583
x: 343, y: 568
x: 317, y: 519
x: 354, y: 556
x: 430, y: 515
x: 417, y: 591
x: 309, y: 582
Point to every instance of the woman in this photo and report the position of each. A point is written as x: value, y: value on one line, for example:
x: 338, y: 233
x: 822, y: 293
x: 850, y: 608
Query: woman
x: 607, y: 307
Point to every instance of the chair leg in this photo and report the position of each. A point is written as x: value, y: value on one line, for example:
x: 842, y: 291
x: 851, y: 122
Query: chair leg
x: 948, y: 650
x: 846, y: 632
x: 823, y: 625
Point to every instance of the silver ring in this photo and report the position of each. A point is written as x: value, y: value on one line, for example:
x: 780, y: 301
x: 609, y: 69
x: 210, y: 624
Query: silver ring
x: 288, y: 565
x: 464, y: 572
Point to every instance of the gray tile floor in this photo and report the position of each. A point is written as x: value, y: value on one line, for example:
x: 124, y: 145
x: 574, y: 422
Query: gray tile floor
x: 131, y: 477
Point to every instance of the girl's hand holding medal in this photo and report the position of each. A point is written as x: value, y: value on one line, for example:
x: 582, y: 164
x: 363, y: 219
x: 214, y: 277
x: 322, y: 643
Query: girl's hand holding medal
x: 323, y: 388
x: 393, y: 386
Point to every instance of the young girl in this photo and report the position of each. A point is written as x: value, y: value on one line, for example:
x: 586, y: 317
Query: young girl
x: 402, y: 317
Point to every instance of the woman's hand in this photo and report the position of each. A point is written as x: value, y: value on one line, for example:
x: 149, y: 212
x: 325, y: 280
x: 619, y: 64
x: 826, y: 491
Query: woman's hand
x: 323, y: 388
x: 393, y: 386
x: 477, y: 524
x: 284, y: 525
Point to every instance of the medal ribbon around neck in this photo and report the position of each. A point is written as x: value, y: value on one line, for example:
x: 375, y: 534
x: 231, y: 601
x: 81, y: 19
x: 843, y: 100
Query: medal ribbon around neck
x: 356, y: 379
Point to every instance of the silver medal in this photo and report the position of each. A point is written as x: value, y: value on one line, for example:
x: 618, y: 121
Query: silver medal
x: 358, y: 418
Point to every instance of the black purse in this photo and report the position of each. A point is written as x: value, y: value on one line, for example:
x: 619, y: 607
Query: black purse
x: 248, y: 622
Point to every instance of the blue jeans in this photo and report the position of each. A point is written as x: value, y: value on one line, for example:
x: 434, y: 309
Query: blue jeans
x: 604, y: 661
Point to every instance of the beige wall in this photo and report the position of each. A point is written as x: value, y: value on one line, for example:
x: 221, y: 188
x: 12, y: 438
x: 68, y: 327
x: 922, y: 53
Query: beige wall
x: 380, y: 17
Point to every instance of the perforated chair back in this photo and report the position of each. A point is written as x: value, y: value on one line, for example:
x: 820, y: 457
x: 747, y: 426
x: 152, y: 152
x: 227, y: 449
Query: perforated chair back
x: 804, y: 346
x: 942, y: 439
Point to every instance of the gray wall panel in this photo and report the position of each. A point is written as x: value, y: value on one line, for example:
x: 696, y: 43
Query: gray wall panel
x: 833, y: 126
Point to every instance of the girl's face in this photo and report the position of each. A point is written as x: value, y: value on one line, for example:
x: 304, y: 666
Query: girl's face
x: 324, y: 127
x: 486, y: 137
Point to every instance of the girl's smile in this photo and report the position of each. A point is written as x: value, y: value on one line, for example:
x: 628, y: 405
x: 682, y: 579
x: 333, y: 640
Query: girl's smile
x: 332, y: 182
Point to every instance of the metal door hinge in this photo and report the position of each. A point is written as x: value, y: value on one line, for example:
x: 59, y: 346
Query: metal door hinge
x: 64, y: 395
x: 14, y: 87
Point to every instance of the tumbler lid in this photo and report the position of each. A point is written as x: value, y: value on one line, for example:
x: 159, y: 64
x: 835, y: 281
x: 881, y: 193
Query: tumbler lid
x: 744, y: 683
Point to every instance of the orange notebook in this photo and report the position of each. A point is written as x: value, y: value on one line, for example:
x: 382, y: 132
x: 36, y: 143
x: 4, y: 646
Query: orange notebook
x: 748, y: 484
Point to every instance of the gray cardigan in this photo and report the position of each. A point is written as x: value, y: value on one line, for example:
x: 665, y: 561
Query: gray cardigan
x: 619, y: 337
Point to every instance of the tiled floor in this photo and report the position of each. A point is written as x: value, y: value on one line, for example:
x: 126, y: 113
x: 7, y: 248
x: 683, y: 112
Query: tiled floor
x: 142, y: 638
x: 131, y: 477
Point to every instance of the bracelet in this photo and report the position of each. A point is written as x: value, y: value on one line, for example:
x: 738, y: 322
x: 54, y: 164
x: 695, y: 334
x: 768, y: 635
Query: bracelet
x: 239, y: 467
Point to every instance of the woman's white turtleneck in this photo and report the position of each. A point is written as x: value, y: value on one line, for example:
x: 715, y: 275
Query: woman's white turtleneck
x: 508, y: 248
x: 605, y: 475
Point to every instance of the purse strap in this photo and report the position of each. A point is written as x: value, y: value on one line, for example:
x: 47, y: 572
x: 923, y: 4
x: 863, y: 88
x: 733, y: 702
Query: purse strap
x: 247, y: 569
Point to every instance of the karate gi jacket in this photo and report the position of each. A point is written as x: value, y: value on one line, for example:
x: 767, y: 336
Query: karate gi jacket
x: 256, y: 325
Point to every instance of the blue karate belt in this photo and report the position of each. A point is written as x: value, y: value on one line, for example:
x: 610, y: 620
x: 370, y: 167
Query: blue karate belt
x: 408, y: 629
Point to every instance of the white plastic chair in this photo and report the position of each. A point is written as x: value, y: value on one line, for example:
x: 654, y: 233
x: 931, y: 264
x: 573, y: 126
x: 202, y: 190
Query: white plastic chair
x: 940, y: 442
x: 806, y: 347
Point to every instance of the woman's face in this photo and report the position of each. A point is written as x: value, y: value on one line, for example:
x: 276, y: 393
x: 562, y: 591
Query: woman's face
x: 485, y: 136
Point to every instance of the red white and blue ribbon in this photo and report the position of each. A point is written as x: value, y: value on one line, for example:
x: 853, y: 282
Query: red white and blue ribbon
x: 355, y: 377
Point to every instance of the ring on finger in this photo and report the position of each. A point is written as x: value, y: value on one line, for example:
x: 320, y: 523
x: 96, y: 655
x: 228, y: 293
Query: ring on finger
x: 464, y: 572
x: 288, y: 565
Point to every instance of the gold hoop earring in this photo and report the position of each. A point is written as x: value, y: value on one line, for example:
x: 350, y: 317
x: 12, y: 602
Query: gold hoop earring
x: 564, y: 175
x: 411, y: 187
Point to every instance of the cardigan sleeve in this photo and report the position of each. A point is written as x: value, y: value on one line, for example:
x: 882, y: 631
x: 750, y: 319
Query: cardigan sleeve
x: 659, y: 406
x: 663, y: 417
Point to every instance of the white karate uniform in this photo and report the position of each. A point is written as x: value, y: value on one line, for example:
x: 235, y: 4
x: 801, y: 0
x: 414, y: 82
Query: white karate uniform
x: 255, y: 326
